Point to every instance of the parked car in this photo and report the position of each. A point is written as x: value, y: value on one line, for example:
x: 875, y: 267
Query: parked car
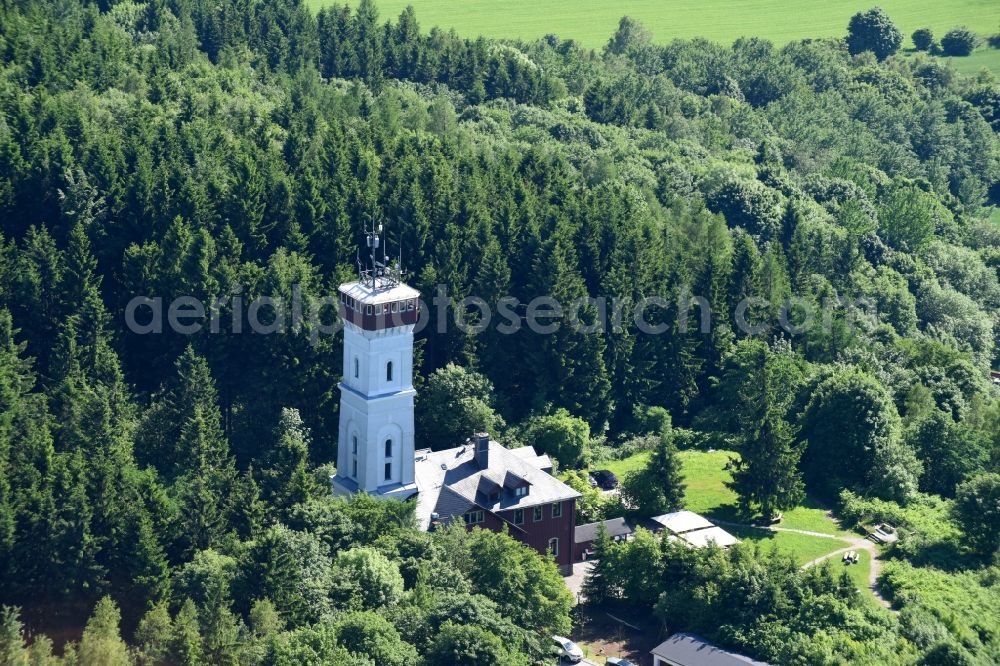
x: 618, y: 661
x: 568, y: 650
x: 606, y: 479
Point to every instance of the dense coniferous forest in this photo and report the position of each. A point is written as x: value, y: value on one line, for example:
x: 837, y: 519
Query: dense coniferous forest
x: 172, y: 487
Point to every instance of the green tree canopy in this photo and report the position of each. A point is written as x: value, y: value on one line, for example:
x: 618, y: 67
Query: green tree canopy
x: 873, y: 31
x: 560, y: 435
x: 977, y: 509
x: 851, y: 430
x: 455, y: 404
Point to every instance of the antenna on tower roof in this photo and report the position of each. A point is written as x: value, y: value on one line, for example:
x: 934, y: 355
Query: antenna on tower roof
x: 378, y: 274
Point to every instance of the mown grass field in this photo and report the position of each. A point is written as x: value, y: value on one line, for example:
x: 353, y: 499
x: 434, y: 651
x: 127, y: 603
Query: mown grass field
x: 983, y: 58
x: 591, y: 22
x: 707, y: 494
x: 971, y: 65
x: 705, y: 476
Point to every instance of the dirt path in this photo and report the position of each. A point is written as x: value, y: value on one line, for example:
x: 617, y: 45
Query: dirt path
x: 856, y: 543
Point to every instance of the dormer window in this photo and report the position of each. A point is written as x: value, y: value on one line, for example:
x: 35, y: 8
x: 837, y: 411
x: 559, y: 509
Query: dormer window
x: 521, y: 491
x: 388, y: 371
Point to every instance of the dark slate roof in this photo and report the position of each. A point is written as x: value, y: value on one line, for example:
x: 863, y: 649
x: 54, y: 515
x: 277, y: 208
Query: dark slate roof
x: 450, y: 503
x: 614, y: 526
x: 455, y: 472
x: 690, y: 650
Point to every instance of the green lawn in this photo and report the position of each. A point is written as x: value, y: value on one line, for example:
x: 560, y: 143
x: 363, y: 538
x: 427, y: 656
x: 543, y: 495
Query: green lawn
x: 707, y: 494
x: 591, y: 22
x: 705, y: 476
x: 802, y: 547
x: 985, y: 57
x: 859, y: 571
x: 971, y: 65
x: 622, y: 467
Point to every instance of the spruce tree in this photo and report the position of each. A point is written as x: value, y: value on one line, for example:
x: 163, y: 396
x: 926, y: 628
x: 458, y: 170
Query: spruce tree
x: 154, y: 634
x: 596, y: 584
x: 766, y: 475
x: 204, y: 486
x: 659, y: 486
x: 285, y: 477
x: 102, y: 644
x: 185, y: 642
x: 12, y: 646
x: 191, y: 388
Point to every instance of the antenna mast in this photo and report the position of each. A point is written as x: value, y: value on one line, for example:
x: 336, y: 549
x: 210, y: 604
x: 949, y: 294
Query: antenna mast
x: 378, y: 274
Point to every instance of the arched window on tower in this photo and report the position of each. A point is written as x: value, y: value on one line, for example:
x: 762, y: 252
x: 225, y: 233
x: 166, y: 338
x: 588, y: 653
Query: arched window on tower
x: 357, y: 368
x: 388, y: 448
x: 388, y: 371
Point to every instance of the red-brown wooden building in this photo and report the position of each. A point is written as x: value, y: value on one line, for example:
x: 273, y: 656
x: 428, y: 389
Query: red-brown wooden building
x: 487, y: 485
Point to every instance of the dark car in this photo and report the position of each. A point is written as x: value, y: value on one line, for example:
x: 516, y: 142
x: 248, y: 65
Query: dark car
x: 617, y: 661
x: 606, y: 479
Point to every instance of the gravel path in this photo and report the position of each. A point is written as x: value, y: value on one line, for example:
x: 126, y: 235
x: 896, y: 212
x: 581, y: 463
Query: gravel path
x: 856, y: 543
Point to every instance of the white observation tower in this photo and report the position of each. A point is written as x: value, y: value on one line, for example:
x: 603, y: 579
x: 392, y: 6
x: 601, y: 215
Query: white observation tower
x: 375, y: 451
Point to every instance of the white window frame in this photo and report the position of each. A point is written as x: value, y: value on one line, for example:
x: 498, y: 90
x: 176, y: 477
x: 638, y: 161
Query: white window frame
x: 554, y: 546
x: 557, y: 510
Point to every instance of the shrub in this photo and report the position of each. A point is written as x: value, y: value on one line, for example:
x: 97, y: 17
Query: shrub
x: 873, y: 31
x: 959, y: 42
x: 922, y: 39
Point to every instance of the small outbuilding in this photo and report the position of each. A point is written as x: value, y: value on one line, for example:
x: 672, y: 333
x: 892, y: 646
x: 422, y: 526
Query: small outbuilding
x: 693, y: 529
x: 584, y: 536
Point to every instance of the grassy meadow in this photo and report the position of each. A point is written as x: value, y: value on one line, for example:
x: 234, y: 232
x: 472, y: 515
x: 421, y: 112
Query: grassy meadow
x: 591, y: 22
x: 706, y: 493
x: 706, y: 477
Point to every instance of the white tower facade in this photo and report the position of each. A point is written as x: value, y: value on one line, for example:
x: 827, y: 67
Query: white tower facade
x: 375, y: 451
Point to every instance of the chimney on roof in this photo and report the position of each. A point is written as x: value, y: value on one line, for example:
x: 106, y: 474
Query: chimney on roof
x: 482, y: 449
